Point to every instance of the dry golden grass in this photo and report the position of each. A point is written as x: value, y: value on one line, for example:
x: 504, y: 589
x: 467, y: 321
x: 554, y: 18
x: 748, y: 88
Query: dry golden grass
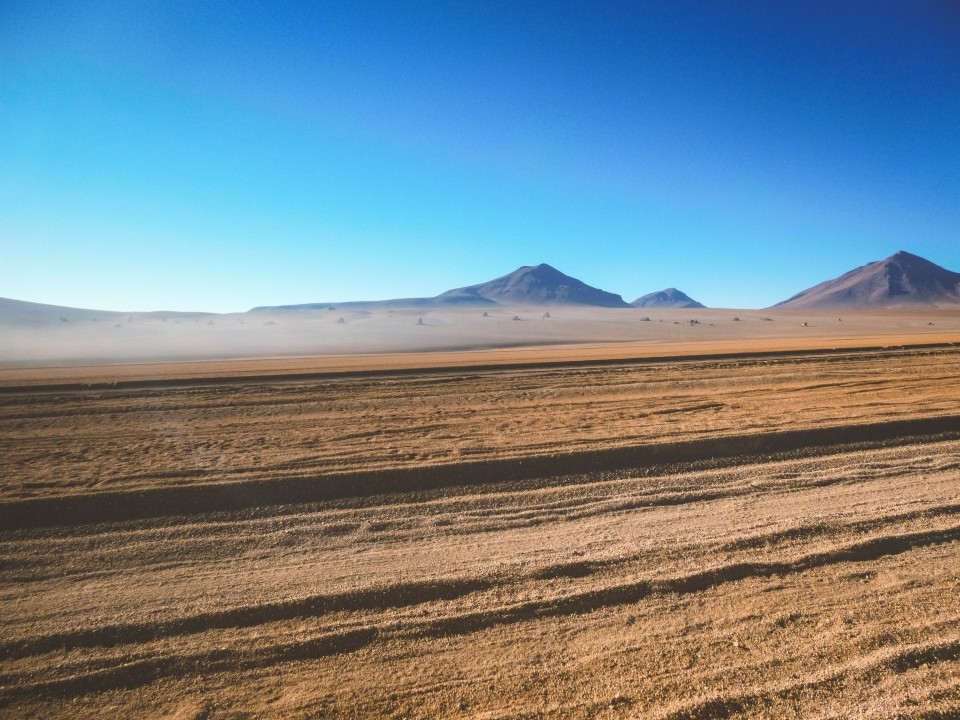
x: 740, y: 537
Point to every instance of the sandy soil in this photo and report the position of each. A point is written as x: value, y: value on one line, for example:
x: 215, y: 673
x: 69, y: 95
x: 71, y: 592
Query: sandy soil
x: 737, y: 537
x: 256, y: 431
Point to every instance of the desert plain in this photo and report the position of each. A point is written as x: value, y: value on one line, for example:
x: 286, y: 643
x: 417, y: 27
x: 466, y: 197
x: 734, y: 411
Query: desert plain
x: 664, y: 519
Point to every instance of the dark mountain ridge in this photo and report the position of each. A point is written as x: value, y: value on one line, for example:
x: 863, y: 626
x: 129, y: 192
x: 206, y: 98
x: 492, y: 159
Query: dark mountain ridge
x: 536, y: 285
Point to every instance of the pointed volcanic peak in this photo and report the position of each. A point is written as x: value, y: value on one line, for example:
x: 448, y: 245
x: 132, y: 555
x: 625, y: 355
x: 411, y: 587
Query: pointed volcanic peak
x: 669, y: 298
x: 902, y: 281
x: 534, y: 285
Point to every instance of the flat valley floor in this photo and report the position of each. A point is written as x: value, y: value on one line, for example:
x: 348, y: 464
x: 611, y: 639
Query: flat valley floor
x: 744, y: 536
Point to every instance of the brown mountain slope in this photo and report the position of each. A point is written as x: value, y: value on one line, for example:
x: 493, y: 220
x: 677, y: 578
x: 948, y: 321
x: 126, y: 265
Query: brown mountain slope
x: 901, y: 281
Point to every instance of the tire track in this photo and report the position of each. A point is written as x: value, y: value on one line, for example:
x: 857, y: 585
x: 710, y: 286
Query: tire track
x: 896, y: 660
x: 137, y: 673
x: 148, y: 670
x: 97, y: 507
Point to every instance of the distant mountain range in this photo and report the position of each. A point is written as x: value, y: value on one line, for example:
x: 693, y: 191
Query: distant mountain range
x: 25, y: 313
x: 669, y: 298
x: 902, y: 281
x: 527, y: 285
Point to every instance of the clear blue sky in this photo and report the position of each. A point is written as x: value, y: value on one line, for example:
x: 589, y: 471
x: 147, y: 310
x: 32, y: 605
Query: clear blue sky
x: 216, y: 156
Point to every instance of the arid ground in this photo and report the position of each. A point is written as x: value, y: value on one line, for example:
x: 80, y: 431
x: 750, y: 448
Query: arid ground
x: 763, y: 531
x: 65, y: 336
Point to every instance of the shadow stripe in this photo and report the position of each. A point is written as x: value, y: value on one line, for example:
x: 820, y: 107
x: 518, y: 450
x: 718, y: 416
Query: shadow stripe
x: 225, y: 497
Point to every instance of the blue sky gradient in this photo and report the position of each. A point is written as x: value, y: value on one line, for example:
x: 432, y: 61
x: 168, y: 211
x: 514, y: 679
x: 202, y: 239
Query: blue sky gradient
x: 201, y: 156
